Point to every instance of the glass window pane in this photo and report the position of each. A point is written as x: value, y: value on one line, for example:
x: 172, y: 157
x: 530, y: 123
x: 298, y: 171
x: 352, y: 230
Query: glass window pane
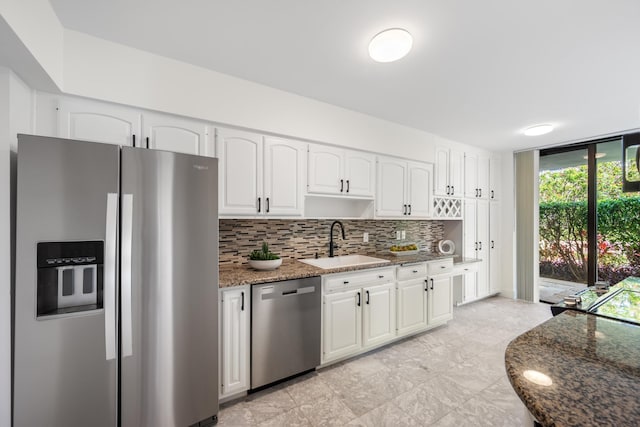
x: 617, y: 219
x: 563, y: 216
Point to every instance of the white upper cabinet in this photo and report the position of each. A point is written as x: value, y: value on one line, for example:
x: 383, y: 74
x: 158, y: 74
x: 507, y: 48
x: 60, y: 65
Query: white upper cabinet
x: 483, y: 177
x: 259, y: 175
x: 495, y: 175
x: 340, y: 172
x: 476, y: 176
x: 359, y: 172
x: 391, y: 187
x: 95, y: 121
x: 471, y: 175
x: 239, y: 171
x: 283, y: 176
x: 325, y: 170
x: 448, y: 180
x: 403, y: 188
x: 169, y: 133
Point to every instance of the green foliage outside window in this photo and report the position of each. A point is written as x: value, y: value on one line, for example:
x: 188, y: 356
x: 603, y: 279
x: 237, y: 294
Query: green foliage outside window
x: 563, y: 225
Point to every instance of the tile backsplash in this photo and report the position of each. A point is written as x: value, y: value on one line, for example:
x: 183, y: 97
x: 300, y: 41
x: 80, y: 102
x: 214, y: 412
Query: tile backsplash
x: 303, y: 238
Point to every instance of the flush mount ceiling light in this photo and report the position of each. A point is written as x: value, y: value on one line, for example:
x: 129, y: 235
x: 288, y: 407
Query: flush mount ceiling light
x: 538, y: 130
x: 390, y: 45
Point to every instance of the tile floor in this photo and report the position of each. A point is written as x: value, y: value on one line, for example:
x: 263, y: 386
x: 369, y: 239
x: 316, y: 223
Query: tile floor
x: 449, y: 376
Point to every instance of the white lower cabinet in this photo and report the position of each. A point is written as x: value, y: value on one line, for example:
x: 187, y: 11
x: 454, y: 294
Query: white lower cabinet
x: 234, y: 337
x: 358, y: 312
x: 369, y: 308
x: 342, y: 320
x: 412, y: 305
x: 440, y: 299
x: 379, y: 314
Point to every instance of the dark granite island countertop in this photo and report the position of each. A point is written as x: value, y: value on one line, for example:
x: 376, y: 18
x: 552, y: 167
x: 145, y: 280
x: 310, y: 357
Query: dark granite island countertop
x: 578, y: 369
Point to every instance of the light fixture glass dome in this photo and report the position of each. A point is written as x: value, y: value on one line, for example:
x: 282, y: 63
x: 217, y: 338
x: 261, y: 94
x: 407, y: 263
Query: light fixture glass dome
x: 390, y: 45
x: 538, y: 130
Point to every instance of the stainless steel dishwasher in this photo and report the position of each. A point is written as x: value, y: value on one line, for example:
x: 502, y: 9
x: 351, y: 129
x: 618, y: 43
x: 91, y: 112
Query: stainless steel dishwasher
x: 285, y: 329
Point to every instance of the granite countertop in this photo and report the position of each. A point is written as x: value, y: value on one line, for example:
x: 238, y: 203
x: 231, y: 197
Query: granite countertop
x: 592, y: 368
x: 238, y: 275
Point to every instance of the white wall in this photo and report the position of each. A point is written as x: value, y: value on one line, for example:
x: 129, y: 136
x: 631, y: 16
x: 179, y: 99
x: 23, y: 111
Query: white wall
x: 100, y: 69
x: 507, y: 223
x: 15, y: 117
x: 35, y: 23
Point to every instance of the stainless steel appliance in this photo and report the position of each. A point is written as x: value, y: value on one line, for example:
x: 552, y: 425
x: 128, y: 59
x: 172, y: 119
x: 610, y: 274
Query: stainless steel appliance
x: 115, y: 311
x: 285, y: 329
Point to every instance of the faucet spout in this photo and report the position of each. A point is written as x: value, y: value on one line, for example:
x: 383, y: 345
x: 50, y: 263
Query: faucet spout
x: 331, y: 244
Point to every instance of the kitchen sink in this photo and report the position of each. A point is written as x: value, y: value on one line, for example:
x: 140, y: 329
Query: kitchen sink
x: 343, y: 261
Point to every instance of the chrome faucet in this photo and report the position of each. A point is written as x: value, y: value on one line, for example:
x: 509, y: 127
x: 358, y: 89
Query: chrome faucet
x: 331, y: 244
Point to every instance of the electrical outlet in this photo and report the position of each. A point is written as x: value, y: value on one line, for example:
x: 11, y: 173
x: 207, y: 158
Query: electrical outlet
x: 404, y: 234
x: 398, y: 234
x: 365, y: 237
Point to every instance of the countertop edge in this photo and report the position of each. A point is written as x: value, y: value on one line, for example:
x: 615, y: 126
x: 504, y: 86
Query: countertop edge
x: 291, y: 269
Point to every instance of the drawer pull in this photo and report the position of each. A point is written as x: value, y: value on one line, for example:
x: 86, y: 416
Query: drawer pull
x: 380, y: 277
x: 443, y: 266
x: 346, y: 282
x: 415, y: 271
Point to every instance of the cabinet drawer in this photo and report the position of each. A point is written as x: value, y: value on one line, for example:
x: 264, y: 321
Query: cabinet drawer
x: 470, y: 267
x: 444, y: 266
x: 414, y: 271
x: 343, y: 281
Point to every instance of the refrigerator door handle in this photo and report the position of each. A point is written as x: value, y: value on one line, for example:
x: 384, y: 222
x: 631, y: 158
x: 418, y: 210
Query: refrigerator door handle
x: 110, y: 245
x: 125, y: 271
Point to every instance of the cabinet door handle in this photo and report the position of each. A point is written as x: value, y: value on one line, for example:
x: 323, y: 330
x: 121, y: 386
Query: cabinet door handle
x: 133, y: 137
x: 480, y: 192
x: 367, y: 297
x: 147, y: 142
x: 404, y: 210
x: 492, y: 194
x: 480, y: 245
x: 477, y: 193
x: 475, y: 244
x: 453, y: 190
x: 347, y: 186
x: 259, y: 204
x: 342, y: 185
x: 359, y: 301
x: 448, y: 187
x: 267, y: 204
x: 242, y: 303
x: 409, y: 210
x: 431, y: 284
x: 493, y: 245
x: 426, y: 285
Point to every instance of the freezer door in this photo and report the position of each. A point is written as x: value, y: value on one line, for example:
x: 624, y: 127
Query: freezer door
x: 169, y: 288
x: 65, y: 357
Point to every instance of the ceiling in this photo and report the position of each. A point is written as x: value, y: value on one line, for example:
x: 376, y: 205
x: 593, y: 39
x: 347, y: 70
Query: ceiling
x: 479, y: 71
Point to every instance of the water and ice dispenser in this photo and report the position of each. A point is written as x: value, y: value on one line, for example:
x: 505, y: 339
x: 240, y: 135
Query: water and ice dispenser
x: 70, y: 277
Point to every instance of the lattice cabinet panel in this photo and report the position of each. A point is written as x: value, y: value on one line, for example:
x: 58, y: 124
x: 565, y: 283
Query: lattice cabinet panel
x: 447, y: 208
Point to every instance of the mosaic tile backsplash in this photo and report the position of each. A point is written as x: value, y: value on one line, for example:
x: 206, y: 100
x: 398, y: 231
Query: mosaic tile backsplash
x: 304, y: 238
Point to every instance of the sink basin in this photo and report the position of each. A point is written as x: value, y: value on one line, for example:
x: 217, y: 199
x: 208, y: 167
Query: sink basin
x: 343, y: 261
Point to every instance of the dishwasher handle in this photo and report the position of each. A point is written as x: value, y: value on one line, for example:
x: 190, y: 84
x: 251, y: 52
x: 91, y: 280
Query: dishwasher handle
x: 268, y: 292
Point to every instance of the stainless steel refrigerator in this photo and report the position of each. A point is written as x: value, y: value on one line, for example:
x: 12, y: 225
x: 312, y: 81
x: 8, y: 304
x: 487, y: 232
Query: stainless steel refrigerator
x: 115, y: 300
